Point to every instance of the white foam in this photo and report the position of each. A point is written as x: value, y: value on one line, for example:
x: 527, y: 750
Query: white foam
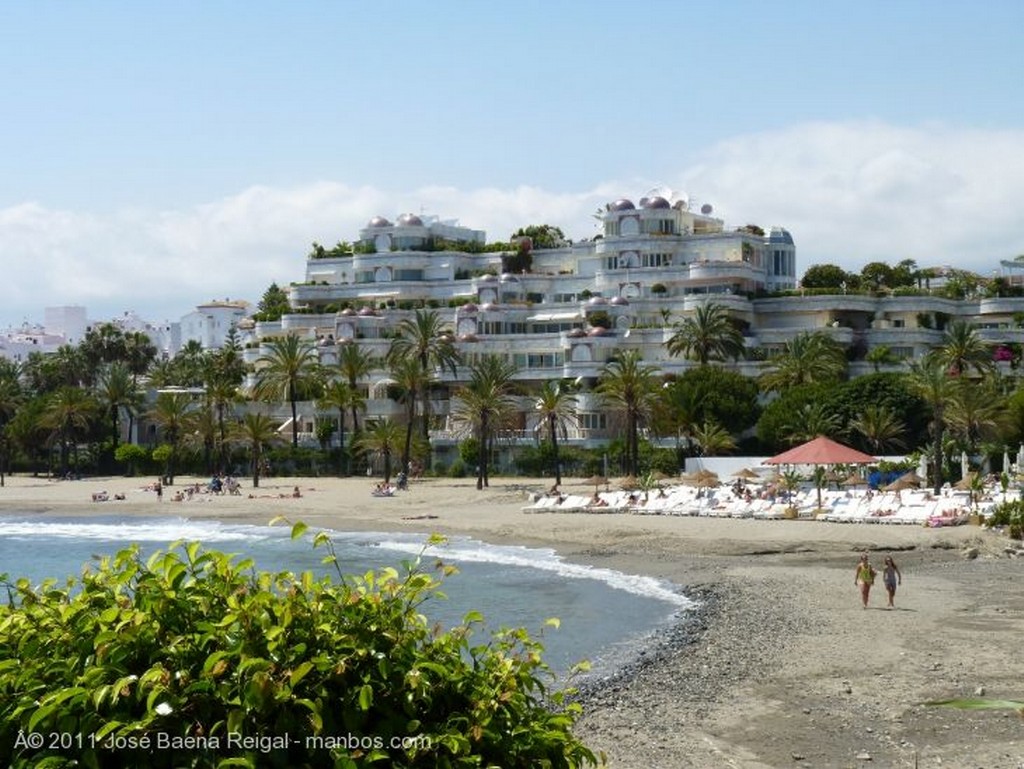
x: 163, y: 531
x: 545, y: 559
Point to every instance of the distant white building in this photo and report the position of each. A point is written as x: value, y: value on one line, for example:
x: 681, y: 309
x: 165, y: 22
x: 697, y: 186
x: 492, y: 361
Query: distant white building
x: 211, y: 323
x: 69, y: 322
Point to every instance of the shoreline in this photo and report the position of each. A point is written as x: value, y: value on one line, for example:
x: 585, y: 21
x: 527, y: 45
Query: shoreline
x: 781, y: 668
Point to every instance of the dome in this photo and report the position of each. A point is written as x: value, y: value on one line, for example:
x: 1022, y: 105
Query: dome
x: 597, y: 331
x: 706, y: 209
x: 379, y: 221
x: 488, y: 278
x: 469, y: 308
x: 576, y: 333
x: 508, y: 277
x: 367, y: 312
x: 780, y: 235
x: 488, y: 307
x: 410, y: 220
x: 657, y: 202
x: 596, y: 301
x: 348, y: 312
x: 469, y: 338
x: 619, y: 301
x: 622, y: 204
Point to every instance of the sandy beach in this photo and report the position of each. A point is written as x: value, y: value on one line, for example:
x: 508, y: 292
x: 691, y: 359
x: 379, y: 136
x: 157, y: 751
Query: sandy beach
x: 782, y: 668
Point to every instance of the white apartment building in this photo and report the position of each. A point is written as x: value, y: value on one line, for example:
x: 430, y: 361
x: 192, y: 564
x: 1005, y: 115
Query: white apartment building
x: 210, y: 323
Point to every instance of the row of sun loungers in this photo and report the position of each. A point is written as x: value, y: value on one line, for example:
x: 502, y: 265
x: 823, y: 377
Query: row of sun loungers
x: 917, y: 508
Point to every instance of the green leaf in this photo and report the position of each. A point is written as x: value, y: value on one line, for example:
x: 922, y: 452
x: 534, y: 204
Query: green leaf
x: 299, y: 673
x: 299, y: 529
x: 365, y: 697
x: 978, y: 703
x: 553, y: 622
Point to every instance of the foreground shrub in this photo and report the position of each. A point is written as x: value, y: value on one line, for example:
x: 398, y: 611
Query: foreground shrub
x: 193, y: 659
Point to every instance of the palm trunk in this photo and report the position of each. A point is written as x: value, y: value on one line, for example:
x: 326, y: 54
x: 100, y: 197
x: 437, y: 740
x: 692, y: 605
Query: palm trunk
x: 295, y: 418
x: 481, y: 453
x: 554, y: 449
x: 937, y: 451
x: 256, y: 461
x: 341, y: 439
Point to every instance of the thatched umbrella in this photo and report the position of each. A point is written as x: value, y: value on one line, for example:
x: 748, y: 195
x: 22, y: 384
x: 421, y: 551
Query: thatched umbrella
x: 629, y: 483
x: 908, y: 481
x: 595, y: 481
x: 854, y: 479
x: 746, y: 474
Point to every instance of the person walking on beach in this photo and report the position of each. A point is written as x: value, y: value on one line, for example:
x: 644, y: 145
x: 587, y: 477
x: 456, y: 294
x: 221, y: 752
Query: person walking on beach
x: 891, y: 577
x: 865, y: 577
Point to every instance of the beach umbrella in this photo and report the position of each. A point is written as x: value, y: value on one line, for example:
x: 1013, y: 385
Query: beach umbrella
x: 746, y: 474
x: 629, y: 483
x: 854, y: 479
x: 595, y: 481
x: 703, y: 475
x: 1006, y: 461
x: 908, y: 481
x: 964, y: 484
x: 964, y: 464
x: 922, y: 465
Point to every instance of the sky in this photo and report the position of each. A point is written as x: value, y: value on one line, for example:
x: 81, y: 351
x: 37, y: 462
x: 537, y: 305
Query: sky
x: 155, y: 156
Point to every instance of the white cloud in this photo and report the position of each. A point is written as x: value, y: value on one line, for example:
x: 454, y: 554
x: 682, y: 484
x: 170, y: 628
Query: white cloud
x: 849, y: 193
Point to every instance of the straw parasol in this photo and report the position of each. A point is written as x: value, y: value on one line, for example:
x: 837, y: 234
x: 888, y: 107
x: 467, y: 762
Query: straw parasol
x: 854, y: 479
x: 705, y: 475
x: 746, y: 474
x: 629, y: 483
x: 908, y: 481
x: 965, y: 483
x: 595, y: 481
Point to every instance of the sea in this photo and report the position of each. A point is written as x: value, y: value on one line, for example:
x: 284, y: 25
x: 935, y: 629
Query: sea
x: 606, y: 617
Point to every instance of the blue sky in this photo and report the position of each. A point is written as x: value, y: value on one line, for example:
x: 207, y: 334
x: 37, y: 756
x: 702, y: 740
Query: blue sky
x: 160, y: 155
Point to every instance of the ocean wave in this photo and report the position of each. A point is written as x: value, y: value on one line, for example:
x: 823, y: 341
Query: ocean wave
x: 470, y: 550
x: 162, y: 531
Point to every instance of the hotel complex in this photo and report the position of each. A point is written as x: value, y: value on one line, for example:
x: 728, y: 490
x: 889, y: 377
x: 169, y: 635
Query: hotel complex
x: 572, y: 307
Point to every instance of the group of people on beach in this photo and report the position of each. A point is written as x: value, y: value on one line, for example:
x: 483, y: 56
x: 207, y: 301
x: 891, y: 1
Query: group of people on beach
x: 865, y: 574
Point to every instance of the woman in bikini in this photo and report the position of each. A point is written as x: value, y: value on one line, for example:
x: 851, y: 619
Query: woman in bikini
x: 891, y: 577
x: 865, y: 577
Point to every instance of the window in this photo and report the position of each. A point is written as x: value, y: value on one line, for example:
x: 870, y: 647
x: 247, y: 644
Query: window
x: 593, y: 421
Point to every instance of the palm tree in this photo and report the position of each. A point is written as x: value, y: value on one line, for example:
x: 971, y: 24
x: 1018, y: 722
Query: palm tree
x: 172, y: 413
x: 255, y: 431
x: 976, y: 413
x: 68, y: 415
x: 962, y: 350
x: 11, y: 398
x: 355, y: 364
x: 556, y: 412
x: 881, y: 428
x: 339, y: 395
x: 928, y: 378
x: 408, y: 377
x: 286, y: 371
x: 710, y: 334
x: 117, y: 392
x: 382, y: 438
x: 808, y: 358
x: 810, y: 421
x: 484, y: 405
x: 713, y: 439
x: 425, y: 338
x: 629, y: 386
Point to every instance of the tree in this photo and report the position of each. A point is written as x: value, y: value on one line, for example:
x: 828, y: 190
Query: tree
x: 256, y: 432
x: 556, y: 412
x: 286, y: 372
x: 810, y: 421
x: 117, y: 393
x: 68, y: 414
x: 809, y: 358
x: 713, y: 439
x: 881, y: 427
x: 425, y: 338
x: 11, y: 398
x: 877, y: 275
x: 338, y: 395
x: 355, y: 363
x: 172, y: 413
x: 542, y: 236
x: 408, y: 380
x: 881, y: 356
x: 963, y: 350
x: 383, y: 438
x: 826, y: 276
x: 629, y: 386
x: 274, y: 303
x: 483, y: 405
x: 710, y: 334
x: 976, y: 413
x: 930, y: 380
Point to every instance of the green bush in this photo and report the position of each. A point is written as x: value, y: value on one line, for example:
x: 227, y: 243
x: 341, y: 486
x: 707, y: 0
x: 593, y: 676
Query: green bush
x: 132, y: 456
x: 193, y: 659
